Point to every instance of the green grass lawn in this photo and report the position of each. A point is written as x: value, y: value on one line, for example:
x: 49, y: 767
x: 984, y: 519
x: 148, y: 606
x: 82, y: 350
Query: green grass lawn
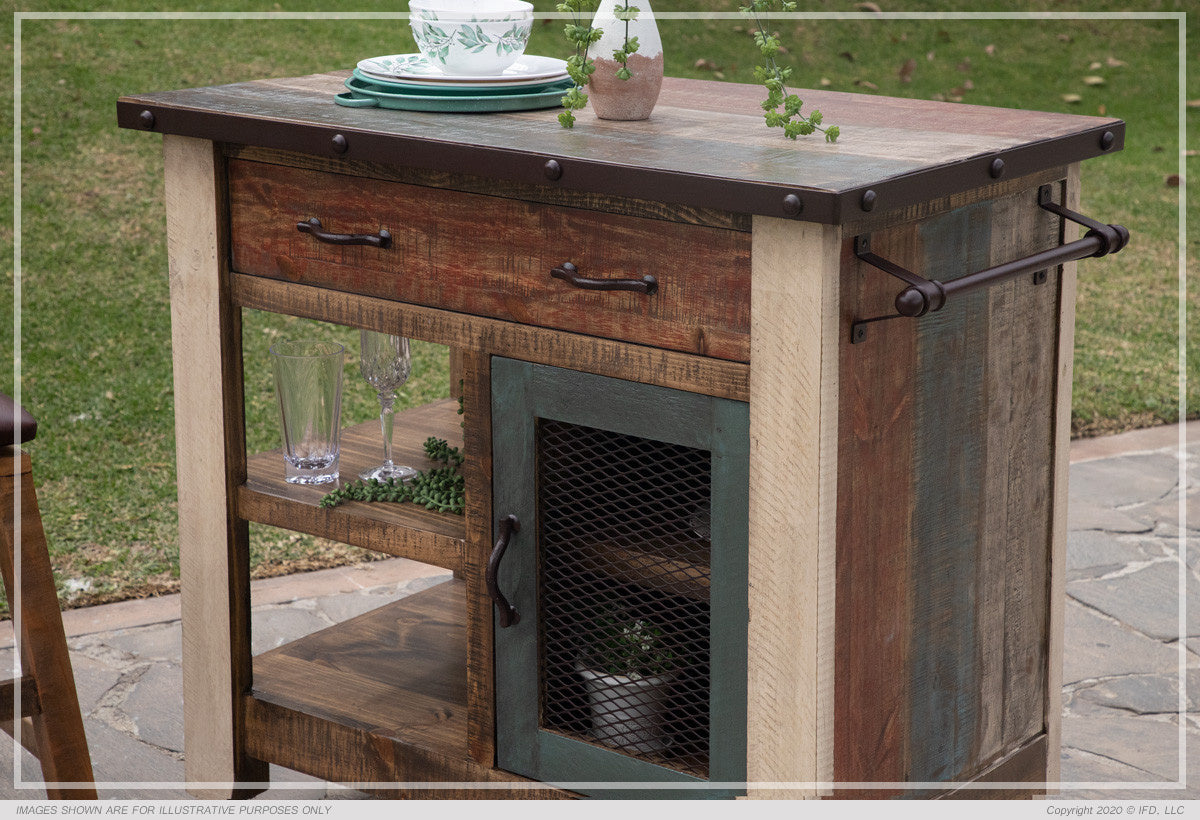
x: 94, y: 320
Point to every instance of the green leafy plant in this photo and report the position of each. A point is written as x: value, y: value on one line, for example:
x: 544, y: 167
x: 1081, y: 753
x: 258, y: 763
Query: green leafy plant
x: 631, y: 647
x: 580, y: 66
x: 629, y: 45
x: 774, y: 77
x: 583, y: 35
x: 439, y: 488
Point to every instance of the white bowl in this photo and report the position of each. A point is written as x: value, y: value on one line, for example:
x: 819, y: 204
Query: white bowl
x: 471, y: 37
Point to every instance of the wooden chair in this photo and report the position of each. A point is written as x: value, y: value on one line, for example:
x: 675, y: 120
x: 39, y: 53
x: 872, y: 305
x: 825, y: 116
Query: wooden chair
x: 52, y: 727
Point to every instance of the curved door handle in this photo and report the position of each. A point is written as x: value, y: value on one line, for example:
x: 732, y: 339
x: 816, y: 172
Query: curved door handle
x: 569, y: 273
x: 506, y: 612
x: 383, y: 239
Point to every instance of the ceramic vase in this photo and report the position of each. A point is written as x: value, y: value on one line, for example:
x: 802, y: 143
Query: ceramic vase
x: 633, y: 99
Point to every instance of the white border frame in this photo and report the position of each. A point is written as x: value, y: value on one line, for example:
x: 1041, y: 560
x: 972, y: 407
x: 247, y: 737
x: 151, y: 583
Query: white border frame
x: 1180, y: 17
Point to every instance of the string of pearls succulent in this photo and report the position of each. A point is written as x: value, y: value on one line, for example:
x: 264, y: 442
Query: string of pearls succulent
x: 439, y: 488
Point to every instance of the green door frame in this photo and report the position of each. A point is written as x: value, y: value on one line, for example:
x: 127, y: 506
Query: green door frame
x: 522, y: 393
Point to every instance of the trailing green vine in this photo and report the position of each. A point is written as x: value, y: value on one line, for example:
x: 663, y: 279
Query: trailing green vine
x: 439, y: 488
x: 775, y: 77
x: 580, y: 65
x: 626, y: 14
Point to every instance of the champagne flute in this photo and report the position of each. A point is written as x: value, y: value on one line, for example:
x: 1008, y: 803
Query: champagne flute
x: 386, y: 365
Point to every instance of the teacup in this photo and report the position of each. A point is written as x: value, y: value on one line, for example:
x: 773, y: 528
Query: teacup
x: 471, y: 37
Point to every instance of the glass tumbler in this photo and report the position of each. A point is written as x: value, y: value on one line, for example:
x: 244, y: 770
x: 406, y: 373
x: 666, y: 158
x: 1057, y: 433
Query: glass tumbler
x: 308, y: 384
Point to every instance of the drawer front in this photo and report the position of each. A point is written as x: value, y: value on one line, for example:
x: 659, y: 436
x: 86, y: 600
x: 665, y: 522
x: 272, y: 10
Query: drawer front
x: 493, y: 256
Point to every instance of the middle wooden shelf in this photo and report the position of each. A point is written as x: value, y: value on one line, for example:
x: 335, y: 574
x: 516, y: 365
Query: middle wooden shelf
x: 406, y: 530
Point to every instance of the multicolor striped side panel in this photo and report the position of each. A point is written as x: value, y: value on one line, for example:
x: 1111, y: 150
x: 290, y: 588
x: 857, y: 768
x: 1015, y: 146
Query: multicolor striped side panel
x: 944, y: 506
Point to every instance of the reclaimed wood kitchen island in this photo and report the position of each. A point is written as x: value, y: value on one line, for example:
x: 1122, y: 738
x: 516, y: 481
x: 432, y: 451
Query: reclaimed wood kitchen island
x: 854, y: 529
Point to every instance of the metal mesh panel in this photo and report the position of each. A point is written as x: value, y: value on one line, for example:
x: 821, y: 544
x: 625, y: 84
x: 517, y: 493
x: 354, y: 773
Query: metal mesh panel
x: 624, y: 593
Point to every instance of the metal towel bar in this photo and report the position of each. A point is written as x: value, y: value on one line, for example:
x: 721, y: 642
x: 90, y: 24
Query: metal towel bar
x: 927, y: 295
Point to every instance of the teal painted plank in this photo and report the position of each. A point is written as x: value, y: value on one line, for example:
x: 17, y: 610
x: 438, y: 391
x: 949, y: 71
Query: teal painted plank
x: 583, y: 770
x: 730, y: 562
x: 634, y: 409
x: 516, y: 661
x: 950, y: 421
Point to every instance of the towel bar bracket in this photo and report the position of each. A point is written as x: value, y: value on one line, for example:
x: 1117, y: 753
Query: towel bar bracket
x: 927, y: 295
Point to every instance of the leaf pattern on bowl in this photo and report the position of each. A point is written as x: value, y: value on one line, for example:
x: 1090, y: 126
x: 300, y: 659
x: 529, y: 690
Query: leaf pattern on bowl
x: 473, y: 39
x: 514, y: 39
x: 437, y: 41
x: 433, y: 41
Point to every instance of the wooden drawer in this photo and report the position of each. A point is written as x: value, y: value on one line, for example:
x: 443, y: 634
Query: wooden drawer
x: 492, y: 256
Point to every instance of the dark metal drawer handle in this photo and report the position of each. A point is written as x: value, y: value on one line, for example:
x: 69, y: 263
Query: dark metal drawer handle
x: 927, y: 295
x: 569, y: 273
x: 383, y: 239
x: 507, y: 612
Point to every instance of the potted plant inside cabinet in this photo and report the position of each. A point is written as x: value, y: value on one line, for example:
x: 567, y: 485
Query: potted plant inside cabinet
x: 628, y: 673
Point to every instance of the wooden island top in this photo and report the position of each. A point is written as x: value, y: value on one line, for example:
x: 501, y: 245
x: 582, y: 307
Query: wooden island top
x: 705, y: 145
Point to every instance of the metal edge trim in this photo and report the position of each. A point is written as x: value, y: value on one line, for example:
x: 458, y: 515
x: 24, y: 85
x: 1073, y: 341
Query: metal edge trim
x: 761, y: 198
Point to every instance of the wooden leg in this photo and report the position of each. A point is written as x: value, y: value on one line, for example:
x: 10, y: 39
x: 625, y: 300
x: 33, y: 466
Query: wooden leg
x: 58, y: 738
x: 1060, y: 471
x: 476, y: 370
x: 793, y: 501
x: 210, y: 453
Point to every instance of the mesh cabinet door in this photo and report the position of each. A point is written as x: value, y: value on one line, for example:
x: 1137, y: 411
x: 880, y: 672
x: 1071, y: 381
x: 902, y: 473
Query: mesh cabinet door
x: 627, y: 663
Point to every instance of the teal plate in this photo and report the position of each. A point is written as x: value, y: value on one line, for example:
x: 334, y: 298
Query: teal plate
x: 369, y: 94
x: 365, y: 82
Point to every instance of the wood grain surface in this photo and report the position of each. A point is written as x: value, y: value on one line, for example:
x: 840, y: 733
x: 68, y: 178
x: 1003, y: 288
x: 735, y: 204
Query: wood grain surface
x: 403, y: 529
x: 380, y: 700
x: 492, y: 256
x: 944, y: 535
x: 604, y: 357
x: 905, y: 150
x: 1019, y: 776
x: 545, y: 193
x: 1060, y: 467
x: 54, y: 732
x: 792, y: 503
x: 209, y: 442
x: 874, y: 518
x: 480, y: 520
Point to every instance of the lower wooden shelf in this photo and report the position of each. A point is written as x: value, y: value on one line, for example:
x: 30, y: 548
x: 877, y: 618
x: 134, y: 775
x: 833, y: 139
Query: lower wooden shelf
x: 397, y: 529
x: 380, y: 701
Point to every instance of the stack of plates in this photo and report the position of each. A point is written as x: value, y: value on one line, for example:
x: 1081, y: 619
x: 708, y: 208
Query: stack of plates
x: 410, y: 82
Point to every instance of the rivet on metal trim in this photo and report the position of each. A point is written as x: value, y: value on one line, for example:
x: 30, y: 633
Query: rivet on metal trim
x: 1107, y: 140
x: 997, y: 168
x: 868, y: 200
x: 552, y: 169
x: 792, y: 205
x: 340, y: 145
x: 147, y: 119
